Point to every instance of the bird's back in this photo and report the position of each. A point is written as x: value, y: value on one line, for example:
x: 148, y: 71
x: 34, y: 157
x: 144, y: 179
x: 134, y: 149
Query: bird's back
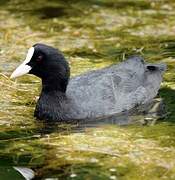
x: 114, y: 89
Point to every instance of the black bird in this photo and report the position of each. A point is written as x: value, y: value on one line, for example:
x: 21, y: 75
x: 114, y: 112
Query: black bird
x: 94, y: 95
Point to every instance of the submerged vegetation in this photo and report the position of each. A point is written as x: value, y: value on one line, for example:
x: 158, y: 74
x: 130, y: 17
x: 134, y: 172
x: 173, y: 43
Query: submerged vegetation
x: 92, y: 34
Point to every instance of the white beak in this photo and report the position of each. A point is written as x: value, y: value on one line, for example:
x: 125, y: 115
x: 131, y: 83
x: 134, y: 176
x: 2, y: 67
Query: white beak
x: 20, y: 70
x: 24, y: 68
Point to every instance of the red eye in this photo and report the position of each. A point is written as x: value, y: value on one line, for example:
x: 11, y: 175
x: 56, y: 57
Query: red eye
x: 39, y: 58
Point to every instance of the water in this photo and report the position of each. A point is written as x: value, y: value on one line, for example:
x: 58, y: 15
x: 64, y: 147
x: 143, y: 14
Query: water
x: 92, y: 35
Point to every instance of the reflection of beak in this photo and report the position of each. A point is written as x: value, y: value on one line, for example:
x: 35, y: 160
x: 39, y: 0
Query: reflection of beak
x: 24, y: 68
x: 20, y: 70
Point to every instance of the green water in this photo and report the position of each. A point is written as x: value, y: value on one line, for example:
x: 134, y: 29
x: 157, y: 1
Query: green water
x: 92, y: 34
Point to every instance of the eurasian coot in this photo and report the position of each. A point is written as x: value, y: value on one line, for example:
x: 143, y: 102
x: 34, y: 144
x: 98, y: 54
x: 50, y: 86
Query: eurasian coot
x: 93, y: 95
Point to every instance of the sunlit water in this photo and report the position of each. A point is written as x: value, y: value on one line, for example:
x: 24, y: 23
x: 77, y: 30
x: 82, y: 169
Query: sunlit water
x: 92, y: 35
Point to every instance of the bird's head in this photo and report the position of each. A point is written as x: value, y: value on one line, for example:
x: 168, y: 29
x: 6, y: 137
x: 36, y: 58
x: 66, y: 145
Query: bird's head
x: 46, y: 63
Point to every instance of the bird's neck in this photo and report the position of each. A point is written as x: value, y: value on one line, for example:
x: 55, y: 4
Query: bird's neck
x: 50, y: 105
x: 54, y: 84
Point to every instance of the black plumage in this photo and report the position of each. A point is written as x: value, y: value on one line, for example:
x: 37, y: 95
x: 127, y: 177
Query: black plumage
x: 93, y: 95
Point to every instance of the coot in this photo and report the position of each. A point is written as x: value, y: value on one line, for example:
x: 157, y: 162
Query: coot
x: 93, y: 95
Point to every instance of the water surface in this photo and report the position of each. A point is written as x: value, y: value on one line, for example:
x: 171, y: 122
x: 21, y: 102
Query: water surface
x: 92, y: 35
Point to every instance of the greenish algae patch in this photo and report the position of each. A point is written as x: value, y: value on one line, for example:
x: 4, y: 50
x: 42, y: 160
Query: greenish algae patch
x: 126, y: 153
x: 92, y: 35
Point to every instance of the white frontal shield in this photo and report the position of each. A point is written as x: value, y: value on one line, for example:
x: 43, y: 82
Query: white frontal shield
x: 23, y: 68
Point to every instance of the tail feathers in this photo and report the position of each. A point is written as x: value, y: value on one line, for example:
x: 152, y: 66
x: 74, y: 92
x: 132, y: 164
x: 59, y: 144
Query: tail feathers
x: 135, y: 64
x: 161, y: 67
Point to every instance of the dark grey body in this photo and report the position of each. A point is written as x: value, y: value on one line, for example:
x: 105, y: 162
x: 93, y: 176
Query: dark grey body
x: 103, y: 93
